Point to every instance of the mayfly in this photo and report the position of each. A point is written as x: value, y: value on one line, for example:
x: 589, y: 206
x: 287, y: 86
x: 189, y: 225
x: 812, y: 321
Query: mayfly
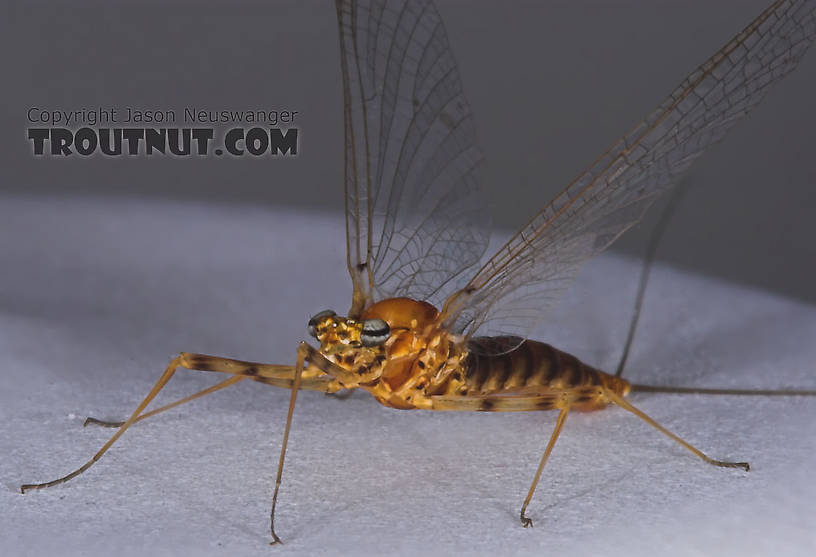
x: 431, y: 325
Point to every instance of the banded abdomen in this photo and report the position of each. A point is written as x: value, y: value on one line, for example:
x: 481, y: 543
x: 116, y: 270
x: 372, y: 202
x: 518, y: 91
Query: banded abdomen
x: 535, y: 367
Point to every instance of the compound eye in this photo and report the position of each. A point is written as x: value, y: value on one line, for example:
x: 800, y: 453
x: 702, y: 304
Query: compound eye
x: 316, y: 318
x: 375, y: 332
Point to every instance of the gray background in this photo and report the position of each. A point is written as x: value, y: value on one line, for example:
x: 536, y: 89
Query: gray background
x: 552, y: 84
x: 141, y: 258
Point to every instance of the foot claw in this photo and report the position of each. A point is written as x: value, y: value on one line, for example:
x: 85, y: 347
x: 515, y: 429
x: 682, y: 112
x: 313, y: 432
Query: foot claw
x: 88, y: 421
x: 526, y: 522
x: 275, y: 539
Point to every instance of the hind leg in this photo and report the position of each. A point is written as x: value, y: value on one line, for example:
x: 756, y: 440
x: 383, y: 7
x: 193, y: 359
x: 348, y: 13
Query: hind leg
x: 620, y: 401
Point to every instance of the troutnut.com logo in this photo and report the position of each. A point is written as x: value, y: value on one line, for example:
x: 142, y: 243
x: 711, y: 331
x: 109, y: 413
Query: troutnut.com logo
x: 115, y: 132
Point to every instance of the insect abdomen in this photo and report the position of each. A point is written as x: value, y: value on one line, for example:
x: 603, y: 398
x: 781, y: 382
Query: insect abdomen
x: 536, y: 367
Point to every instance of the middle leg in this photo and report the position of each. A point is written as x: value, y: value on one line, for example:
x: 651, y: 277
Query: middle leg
x: 559, y: 424
x: 551, y: 399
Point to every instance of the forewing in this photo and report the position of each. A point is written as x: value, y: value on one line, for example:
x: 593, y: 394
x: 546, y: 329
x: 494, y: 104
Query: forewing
x: 415, y: 216
x: 509, y: 294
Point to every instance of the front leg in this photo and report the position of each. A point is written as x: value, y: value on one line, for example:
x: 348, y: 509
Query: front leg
x: 269, y: 374
x: 276, y: 375
x: 165, y: 377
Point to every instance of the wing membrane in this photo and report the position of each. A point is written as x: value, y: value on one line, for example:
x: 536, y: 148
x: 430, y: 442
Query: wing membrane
x: 509, y: 294
x: 415, y: 217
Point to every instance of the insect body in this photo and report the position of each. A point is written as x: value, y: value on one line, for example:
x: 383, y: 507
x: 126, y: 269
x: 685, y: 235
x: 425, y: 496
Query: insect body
x: 432, y: 325
x: 421, y: 366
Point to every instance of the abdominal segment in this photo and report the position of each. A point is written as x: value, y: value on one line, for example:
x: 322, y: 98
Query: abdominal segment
x: 535, y: 368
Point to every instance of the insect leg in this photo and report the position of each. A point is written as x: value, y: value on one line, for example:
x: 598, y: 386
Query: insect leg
x: 301, y: 358
x: 165, y: 377
x: 640, y: 414
x: 305, y: 354
x: 559, y: 424
x: 90, y: 420
x: 266, y: 373
x: 561, y: 399
x: 269, y: 374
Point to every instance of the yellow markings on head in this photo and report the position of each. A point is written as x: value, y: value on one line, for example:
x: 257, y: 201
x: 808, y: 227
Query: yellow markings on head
x: 340, y: 341
x: 337, y: 333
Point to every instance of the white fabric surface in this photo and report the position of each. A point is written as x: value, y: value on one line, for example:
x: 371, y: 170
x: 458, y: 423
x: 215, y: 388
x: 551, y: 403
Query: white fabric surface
x: 98, y: 294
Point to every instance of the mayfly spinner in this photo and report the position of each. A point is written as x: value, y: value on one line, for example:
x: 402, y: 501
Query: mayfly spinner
x: 431, y: 326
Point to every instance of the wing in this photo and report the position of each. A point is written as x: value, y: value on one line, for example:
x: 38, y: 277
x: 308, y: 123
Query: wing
x: 509, y: 294
x: 414, y: 212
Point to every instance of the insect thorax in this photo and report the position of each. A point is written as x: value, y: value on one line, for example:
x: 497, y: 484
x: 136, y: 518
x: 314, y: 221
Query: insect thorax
x: 420, y: 364
x: 419, y: 359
